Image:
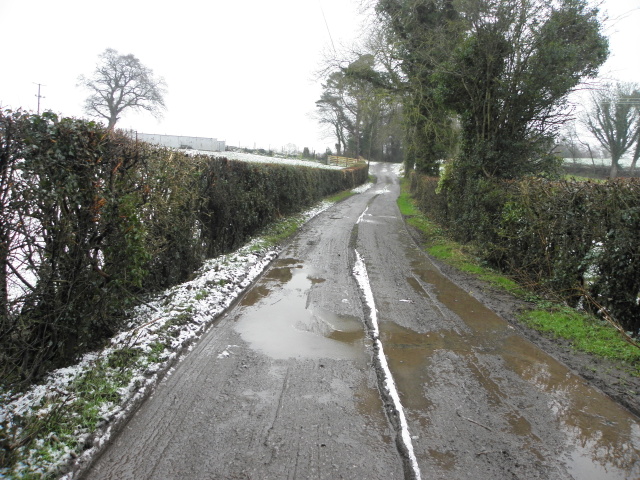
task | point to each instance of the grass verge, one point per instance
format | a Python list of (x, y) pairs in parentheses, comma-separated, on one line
[(584, 332), (60, 424), (279, 231), (439, 245)]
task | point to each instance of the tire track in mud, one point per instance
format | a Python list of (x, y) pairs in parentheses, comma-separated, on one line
[(386, 384)]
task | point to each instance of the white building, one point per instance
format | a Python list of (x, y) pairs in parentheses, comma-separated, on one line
[(174, 141)]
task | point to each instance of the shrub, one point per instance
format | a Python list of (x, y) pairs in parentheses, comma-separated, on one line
[(576, 239)]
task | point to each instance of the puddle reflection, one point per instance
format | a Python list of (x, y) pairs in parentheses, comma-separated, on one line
[(277, 320), (602, 438)]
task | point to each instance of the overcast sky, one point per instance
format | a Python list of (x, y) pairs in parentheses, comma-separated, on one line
[(240, 71)]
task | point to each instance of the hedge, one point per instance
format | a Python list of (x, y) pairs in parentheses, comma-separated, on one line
[(579, 239), (91, 220)]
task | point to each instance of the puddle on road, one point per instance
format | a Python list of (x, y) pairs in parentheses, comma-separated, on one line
[(277, 320), (602, 438), (606, 437)]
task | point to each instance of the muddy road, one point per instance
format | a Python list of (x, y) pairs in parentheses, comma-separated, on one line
[(354, 357)]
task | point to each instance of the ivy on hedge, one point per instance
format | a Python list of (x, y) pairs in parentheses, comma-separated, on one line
[(579, 239), (90, 220)]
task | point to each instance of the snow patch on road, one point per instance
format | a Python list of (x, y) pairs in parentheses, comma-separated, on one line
[(361, 217), (383, 190), (360, 273), (362, 188), (397, 169)]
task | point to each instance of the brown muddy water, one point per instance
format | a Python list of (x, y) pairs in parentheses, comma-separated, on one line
[(602, 438), (279, 321)]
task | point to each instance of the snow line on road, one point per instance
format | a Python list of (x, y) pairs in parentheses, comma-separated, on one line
[(362, 215), (362, 278)]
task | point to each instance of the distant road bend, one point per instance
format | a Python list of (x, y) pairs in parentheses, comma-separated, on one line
[(353, 357)]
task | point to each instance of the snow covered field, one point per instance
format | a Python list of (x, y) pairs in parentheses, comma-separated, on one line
[(598, 162), (249, 157), (159, 333)]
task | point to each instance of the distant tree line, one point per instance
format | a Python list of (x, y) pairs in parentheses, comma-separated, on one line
[(360, 111)]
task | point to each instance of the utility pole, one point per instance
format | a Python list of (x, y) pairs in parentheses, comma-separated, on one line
[(38, 95)]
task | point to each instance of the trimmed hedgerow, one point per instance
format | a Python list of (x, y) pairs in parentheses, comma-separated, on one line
[(578, 239), (91, 219)]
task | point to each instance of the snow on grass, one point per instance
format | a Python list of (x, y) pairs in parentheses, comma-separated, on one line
[(360, 273), (71, 415), (250, 157)]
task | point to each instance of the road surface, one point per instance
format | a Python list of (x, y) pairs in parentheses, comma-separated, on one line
[(354, 357)]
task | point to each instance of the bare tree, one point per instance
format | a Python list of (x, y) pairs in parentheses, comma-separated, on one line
[(614, 120), (120, 82)]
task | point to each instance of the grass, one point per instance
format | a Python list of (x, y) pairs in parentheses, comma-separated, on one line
[(63, 413), (284, 228), (338, 197), (53, 427), (584, 332), (278, 232), (406, 203), (578, 178), (201, 295)]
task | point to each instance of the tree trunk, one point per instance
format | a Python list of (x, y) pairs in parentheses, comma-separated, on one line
[(614, 168), (113, 117), (636, 155)]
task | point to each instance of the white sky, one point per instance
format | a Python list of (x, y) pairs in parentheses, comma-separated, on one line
[(240, 71), (623, 30)]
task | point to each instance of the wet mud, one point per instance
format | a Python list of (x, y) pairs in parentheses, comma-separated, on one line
[(601, 439), (299, 394), (480, 397)]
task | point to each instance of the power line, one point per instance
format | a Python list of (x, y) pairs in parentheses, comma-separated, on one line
[(327, 25)]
